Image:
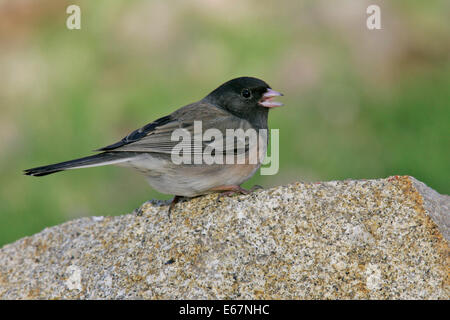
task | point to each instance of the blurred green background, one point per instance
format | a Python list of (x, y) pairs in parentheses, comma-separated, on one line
[(358, 103)]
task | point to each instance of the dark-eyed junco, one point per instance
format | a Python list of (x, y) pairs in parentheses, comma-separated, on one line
[(241, 103)]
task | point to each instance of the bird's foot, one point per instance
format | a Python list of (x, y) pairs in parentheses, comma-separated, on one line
[(255, 187), (226, 191)]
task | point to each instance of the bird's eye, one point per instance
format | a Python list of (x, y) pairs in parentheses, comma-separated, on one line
[(246, 93)]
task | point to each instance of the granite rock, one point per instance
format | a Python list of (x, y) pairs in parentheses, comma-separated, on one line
[(353, 239)]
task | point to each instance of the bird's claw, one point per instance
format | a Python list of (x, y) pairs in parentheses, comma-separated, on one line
[(255, 187), (231, 190)]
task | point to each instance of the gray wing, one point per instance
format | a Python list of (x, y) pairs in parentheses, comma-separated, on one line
[(157, 137)]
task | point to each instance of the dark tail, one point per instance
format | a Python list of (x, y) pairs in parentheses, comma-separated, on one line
[(101, 159)]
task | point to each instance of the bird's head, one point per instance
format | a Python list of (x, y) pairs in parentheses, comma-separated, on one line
[(244, 96)]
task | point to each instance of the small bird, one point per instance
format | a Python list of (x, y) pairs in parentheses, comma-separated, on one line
[(241, 103)]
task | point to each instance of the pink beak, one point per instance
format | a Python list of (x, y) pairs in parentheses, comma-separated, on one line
[(266, 100)]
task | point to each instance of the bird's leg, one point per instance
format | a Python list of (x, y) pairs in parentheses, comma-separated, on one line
[(233, 189), (175, 200)]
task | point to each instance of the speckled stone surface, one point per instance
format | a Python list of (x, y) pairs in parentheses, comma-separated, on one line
[(365, 239)]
